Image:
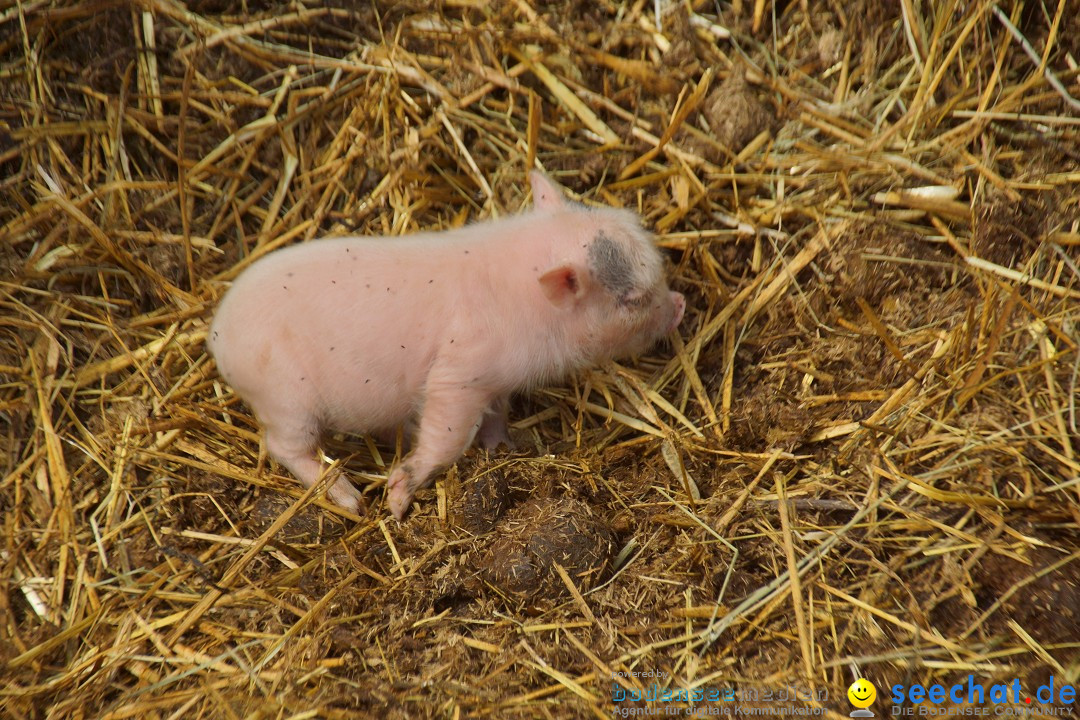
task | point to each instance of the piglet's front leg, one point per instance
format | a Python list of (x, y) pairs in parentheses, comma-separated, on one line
[(448, 423)]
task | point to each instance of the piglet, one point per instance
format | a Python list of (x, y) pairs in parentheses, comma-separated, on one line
[(435, 329)]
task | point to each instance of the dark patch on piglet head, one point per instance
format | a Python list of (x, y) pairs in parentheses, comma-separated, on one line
[(610, 265)]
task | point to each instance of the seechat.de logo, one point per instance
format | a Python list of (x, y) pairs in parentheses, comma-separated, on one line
[(971, 693)]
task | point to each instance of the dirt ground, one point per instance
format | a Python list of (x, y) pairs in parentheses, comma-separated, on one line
[(860, 456)]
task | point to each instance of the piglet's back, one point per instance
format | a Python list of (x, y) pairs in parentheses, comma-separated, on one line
[(323, 329)]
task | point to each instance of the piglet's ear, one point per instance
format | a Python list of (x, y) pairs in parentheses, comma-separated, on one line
[(546, 194), (563, 284)]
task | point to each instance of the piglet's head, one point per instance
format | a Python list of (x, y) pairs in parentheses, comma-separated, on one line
[(609, 281)]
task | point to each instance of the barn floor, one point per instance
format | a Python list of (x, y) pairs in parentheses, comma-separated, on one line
[(859, 457)]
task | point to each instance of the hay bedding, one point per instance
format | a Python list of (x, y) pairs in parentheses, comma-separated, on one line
[(860, 456)]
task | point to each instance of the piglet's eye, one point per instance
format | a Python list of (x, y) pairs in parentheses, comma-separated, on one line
[(635, 299)]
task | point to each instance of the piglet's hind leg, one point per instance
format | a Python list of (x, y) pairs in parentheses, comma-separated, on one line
[(294, 447), (448, 423), (494, 430)]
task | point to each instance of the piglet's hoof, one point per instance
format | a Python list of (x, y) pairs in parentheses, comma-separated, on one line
[(344, 494), (400, 493)]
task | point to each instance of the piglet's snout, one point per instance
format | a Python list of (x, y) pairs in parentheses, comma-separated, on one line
[(679, 302)]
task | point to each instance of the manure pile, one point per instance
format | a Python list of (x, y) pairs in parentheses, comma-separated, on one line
[(860, 455)]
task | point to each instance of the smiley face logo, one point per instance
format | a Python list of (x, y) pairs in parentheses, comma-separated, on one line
[(862, 693)]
